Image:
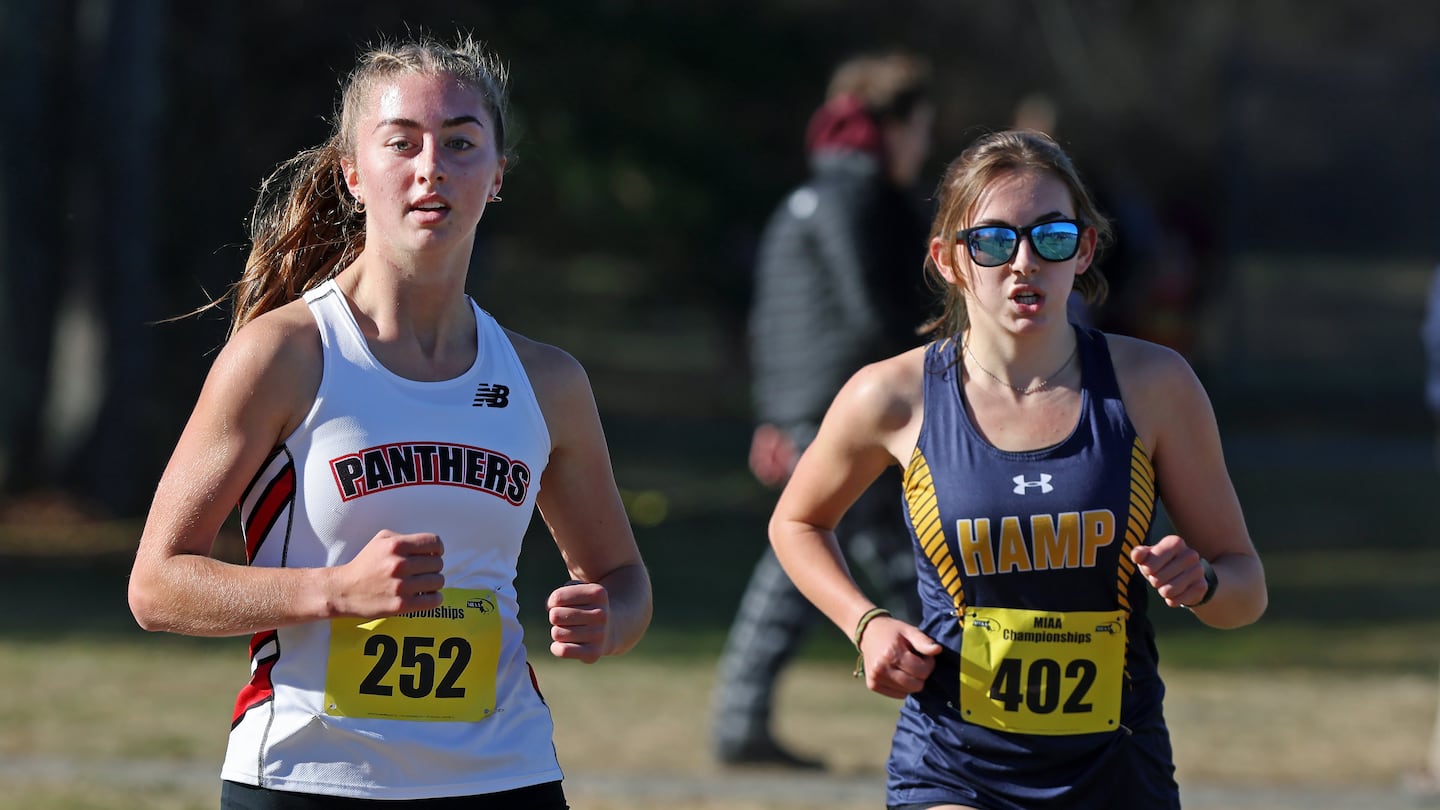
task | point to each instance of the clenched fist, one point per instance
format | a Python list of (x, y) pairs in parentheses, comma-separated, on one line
[(579, 614)]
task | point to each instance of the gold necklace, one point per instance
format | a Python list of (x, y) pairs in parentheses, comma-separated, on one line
[(1034, 388)]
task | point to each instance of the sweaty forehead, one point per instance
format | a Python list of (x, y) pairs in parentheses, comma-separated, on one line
[(1021, 197), (426, 99)]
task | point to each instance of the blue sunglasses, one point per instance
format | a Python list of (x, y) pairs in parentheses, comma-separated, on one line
[(993, 245)]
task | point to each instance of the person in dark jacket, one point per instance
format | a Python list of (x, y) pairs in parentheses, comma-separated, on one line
[(838, 284)]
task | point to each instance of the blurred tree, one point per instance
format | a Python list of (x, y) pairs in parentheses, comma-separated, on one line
[(36, 52), (651, 139), (79, 180)]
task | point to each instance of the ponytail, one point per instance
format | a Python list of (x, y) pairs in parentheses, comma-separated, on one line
[(303, 230)]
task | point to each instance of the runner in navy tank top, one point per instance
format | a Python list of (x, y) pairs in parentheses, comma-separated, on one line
[(1035, 454), (1034, 549)]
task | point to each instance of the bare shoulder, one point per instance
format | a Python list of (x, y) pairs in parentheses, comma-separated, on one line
[(1157, 384), (888, 386), (881, 404), (274, 364), (1143, 364), (552, 370), (285, 339), (562, 388)]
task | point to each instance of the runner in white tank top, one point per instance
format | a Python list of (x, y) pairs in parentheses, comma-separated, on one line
[(332, 707), (387, 444)]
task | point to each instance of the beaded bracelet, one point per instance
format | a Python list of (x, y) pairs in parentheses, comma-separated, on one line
[(869, 616)]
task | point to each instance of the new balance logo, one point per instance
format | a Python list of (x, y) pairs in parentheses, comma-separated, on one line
[(491, 396), (1022, 486)]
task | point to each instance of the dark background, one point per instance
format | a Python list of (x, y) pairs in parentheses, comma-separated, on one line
[(1271, 164)]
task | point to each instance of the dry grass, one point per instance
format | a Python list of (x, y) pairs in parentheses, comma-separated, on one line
[(1301, 728), (1286, 727), (142, 723)]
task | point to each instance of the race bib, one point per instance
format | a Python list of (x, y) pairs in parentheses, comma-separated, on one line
[(430, 665), (1042, 672)]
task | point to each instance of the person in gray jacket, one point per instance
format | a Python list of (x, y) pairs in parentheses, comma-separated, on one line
[(838, 284)]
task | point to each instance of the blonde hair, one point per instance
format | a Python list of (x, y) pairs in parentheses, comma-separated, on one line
[(890, 85), (304, 227), (966, 178)]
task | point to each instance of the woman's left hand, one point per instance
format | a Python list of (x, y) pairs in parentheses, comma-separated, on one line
[(1173, 569), (579, 614)]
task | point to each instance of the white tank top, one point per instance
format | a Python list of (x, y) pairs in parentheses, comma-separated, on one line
[(442, 704)]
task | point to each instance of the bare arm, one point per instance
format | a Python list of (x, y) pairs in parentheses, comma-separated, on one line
[(260, 387), (871, 425), (607, 606), (1169, 406)]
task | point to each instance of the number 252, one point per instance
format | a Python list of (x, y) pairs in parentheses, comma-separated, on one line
[(385, 649)]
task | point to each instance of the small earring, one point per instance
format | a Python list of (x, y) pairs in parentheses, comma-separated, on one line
[(494, 198), (359, 206)]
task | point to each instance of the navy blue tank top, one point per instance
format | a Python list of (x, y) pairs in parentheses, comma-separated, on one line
[(1018, 545)]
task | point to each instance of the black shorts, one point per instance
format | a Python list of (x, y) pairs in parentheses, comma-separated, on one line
[(235, 796)]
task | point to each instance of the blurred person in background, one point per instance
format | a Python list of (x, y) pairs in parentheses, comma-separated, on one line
[(1425, 782), (838, 284), (1039, 112), (386, 442), (1430, 343), (1163, 262), (1034, 452)]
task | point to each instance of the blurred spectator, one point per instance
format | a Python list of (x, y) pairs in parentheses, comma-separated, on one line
[(838, 284), (1154, 268), (1038, 111), (1430, 338), (1426, 782)]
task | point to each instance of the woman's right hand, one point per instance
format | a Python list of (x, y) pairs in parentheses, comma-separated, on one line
[(899, 657), (393, 574), (772, 455)]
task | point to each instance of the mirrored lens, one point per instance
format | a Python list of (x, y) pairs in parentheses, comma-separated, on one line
[(1055, 241), (992, 246)]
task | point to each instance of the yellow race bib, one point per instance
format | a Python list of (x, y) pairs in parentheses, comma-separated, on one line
[(432, 665), (1042, 672)]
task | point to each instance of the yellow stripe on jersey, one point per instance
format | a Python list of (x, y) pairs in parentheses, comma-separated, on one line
[(1142, 513), (925, 517)]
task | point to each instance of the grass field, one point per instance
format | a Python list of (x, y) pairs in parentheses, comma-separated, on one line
[(96, 714), (140, 722)]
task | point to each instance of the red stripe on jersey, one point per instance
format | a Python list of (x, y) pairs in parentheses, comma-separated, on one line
[(260, 689), (281, 493)]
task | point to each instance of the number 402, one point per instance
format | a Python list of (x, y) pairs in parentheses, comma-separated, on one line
[(1039, 687)]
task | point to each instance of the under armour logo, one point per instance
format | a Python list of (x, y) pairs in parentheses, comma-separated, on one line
[(491, 396), (1021, 485)]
